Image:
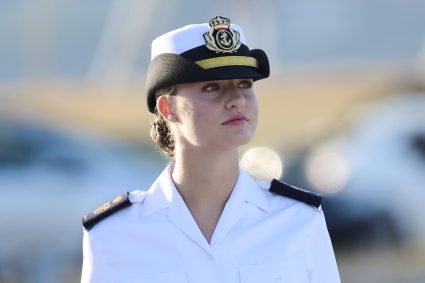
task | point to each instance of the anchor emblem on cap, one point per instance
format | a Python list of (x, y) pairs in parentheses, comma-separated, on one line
[(221, 38)]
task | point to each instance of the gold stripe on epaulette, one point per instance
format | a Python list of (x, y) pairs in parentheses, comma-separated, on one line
[(228, 61)]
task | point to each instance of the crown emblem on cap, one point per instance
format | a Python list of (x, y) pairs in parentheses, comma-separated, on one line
[(221, 38)]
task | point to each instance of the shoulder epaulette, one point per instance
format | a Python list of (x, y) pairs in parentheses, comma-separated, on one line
[(289, 191), (100, 213)]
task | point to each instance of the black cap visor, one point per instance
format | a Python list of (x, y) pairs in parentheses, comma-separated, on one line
[(171, 69)]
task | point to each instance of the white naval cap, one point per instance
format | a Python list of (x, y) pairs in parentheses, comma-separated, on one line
[(185, 38), (202, 52)]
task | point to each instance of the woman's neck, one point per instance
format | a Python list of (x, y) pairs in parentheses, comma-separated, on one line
[(201, 176), (205, 182)]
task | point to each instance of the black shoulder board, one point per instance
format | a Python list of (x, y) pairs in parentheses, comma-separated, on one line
[(100, 213), (289, 191)]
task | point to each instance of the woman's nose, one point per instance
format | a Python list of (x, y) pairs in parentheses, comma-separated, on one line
[(236, 99)]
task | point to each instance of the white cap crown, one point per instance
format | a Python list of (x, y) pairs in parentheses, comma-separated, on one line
[(183, 39)]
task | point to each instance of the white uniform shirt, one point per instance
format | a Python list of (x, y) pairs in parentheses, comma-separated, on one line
[(261, 237)]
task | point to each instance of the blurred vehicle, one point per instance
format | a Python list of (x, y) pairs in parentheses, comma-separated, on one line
[(381, 200), (49, 178), (354, 223)]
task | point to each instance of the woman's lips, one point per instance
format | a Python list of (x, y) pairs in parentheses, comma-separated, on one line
[(236, 120)]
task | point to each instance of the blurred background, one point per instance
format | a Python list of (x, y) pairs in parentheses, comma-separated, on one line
[(343, 114)]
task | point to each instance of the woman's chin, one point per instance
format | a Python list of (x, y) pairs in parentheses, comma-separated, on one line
[(240, 140)]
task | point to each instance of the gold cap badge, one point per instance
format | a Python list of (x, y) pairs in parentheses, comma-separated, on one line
[(222, 38)]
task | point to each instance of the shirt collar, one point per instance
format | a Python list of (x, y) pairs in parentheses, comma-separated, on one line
[(248, 190), (163, 193)]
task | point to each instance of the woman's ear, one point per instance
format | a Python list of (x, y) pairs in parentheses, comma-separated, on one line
[(165, 108)]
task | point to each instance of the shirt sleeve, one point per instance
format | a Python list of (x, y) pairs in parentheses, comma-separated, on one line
[(92, 271), (323, 266)]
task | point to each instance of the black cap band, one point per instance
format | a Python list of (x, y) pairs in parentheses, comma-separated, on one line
[(201, 64)]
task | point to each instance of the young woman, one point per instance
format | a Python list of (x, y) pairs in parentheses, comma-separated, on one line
[(204, 219)]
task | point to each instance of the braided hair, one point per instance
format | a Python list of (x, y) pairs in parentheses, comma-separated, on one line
[(160, 132)]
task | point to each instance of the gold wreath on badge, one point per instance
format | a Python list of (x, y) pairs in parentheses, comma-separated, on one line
[(221, 38)]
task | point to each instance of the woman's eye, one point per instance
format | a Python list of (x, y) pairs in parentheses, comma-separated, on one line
[(245, 84), (211, 87)]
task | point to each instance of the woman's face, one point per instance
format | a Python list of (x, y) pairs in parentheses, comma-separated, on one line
[(215, 114)]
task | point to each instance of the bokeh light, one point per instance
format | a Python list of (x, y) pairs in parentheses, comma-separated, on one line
[(262, 163), (327, 171)]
